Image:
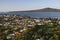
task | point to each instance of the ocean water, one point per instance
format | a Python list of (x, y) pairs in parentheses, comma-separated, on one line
[(39, 14), (42, 14)]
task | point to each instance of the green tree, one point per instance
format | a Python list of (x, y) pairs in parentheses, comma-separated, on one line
[(54, 37)]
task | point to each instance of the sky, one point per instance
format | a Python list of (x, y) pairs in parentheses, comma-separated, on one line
[(20, 5)]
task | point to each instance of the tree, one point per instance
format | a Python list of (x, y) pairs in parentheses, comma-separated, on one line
[(54, 37)]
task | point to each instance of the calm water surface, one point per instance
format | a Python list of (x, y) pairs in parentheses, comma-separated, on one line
[(39, 14)]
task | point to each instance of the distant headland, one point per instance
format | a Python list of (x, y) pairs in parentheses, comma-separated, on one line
[(44, 10), (38, 10)]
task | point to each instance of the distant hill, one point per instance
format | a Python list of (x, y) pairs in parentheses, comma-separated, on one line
[(44, 10), (37, 10)]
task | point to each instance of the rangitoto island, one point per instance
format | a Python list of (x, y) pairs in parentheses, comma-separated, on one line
[(44, 10), (38, 10)]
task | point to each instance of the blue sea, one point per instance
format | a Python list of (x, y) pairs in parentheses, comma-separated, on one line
[(42, 14), (39, 14)]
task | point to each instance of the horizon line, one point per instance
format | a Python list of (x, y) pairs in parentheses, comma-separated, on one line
[(29, 9)]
